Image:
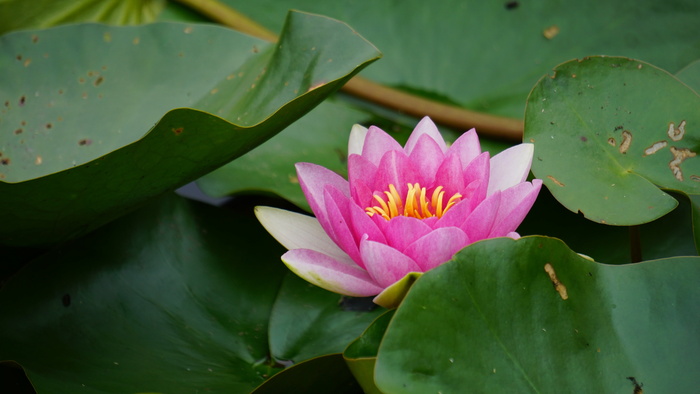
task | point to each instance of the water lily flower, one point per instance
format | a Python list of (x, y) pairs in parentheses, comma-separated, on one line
[(402, 209)]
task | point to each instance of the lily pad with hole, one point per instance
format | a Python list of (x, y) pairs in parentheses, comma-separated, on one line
[(610, 133), (95, 120)]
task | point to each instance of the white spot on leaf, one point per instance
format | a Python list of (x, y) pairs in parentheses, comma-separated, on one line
[(676, 134), (626, 141), (679, 155), (655, 147), (558, 286)]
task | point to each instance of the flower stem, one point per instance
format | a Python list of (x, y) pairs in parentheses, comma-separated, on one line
[(447, 115)]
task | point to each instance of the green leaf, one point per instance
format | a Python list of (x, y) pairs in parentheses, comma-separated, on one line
[(361, 354), (20, 14), (533, 316), (608, 132), (78, 102), (327, 374), (690, 75), (321, 137), (308, 321), (163, 300), (174, 298)]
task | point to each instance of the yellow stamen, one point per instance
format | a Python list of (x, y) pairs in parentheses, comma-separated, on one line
[(417, 204), (425, 210), (436, 193), (438, 206), (410, 200), (395, 202)]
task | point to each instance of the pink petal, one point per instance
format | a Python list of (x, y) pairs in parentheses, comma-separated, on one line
[(467, 146), (510, 167), (480, 222), (331, 274), (431, 221), (455, 216), (313, 180), (356, 140), (515, 204), (377, 144), (338, 220), (437, 247), (362, 194), (403, 230), (425, 127), (426, 157), (350, 224), (363, 226), (394, 169), (360, 171), (476, 178), (450, 176), (385, 264)]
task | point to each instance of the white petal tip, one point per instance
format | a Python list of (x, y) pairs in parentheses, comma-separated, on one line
[(357, 139)]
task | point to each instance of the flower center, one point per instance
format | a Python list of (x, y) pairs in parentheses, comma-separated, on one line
[(417, 204)]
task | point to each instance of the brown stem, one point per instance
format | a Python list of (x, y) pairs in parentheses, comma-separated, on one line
[(227, 16), (448, 115)]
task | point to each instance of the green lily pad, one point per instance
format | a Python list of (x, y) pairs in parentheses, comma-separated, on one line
[(609, 132), (533, 316), (163, 300), (327, 374), (307, 321), (20, 14), (321, 137), (77, 103), (690, 75), (174, 298), (361, 354)]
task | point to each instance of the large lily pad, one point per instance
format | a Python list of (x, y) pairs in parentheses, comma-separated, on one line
[(174, 298), (532, 316), (609, 132), (78, 103)]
